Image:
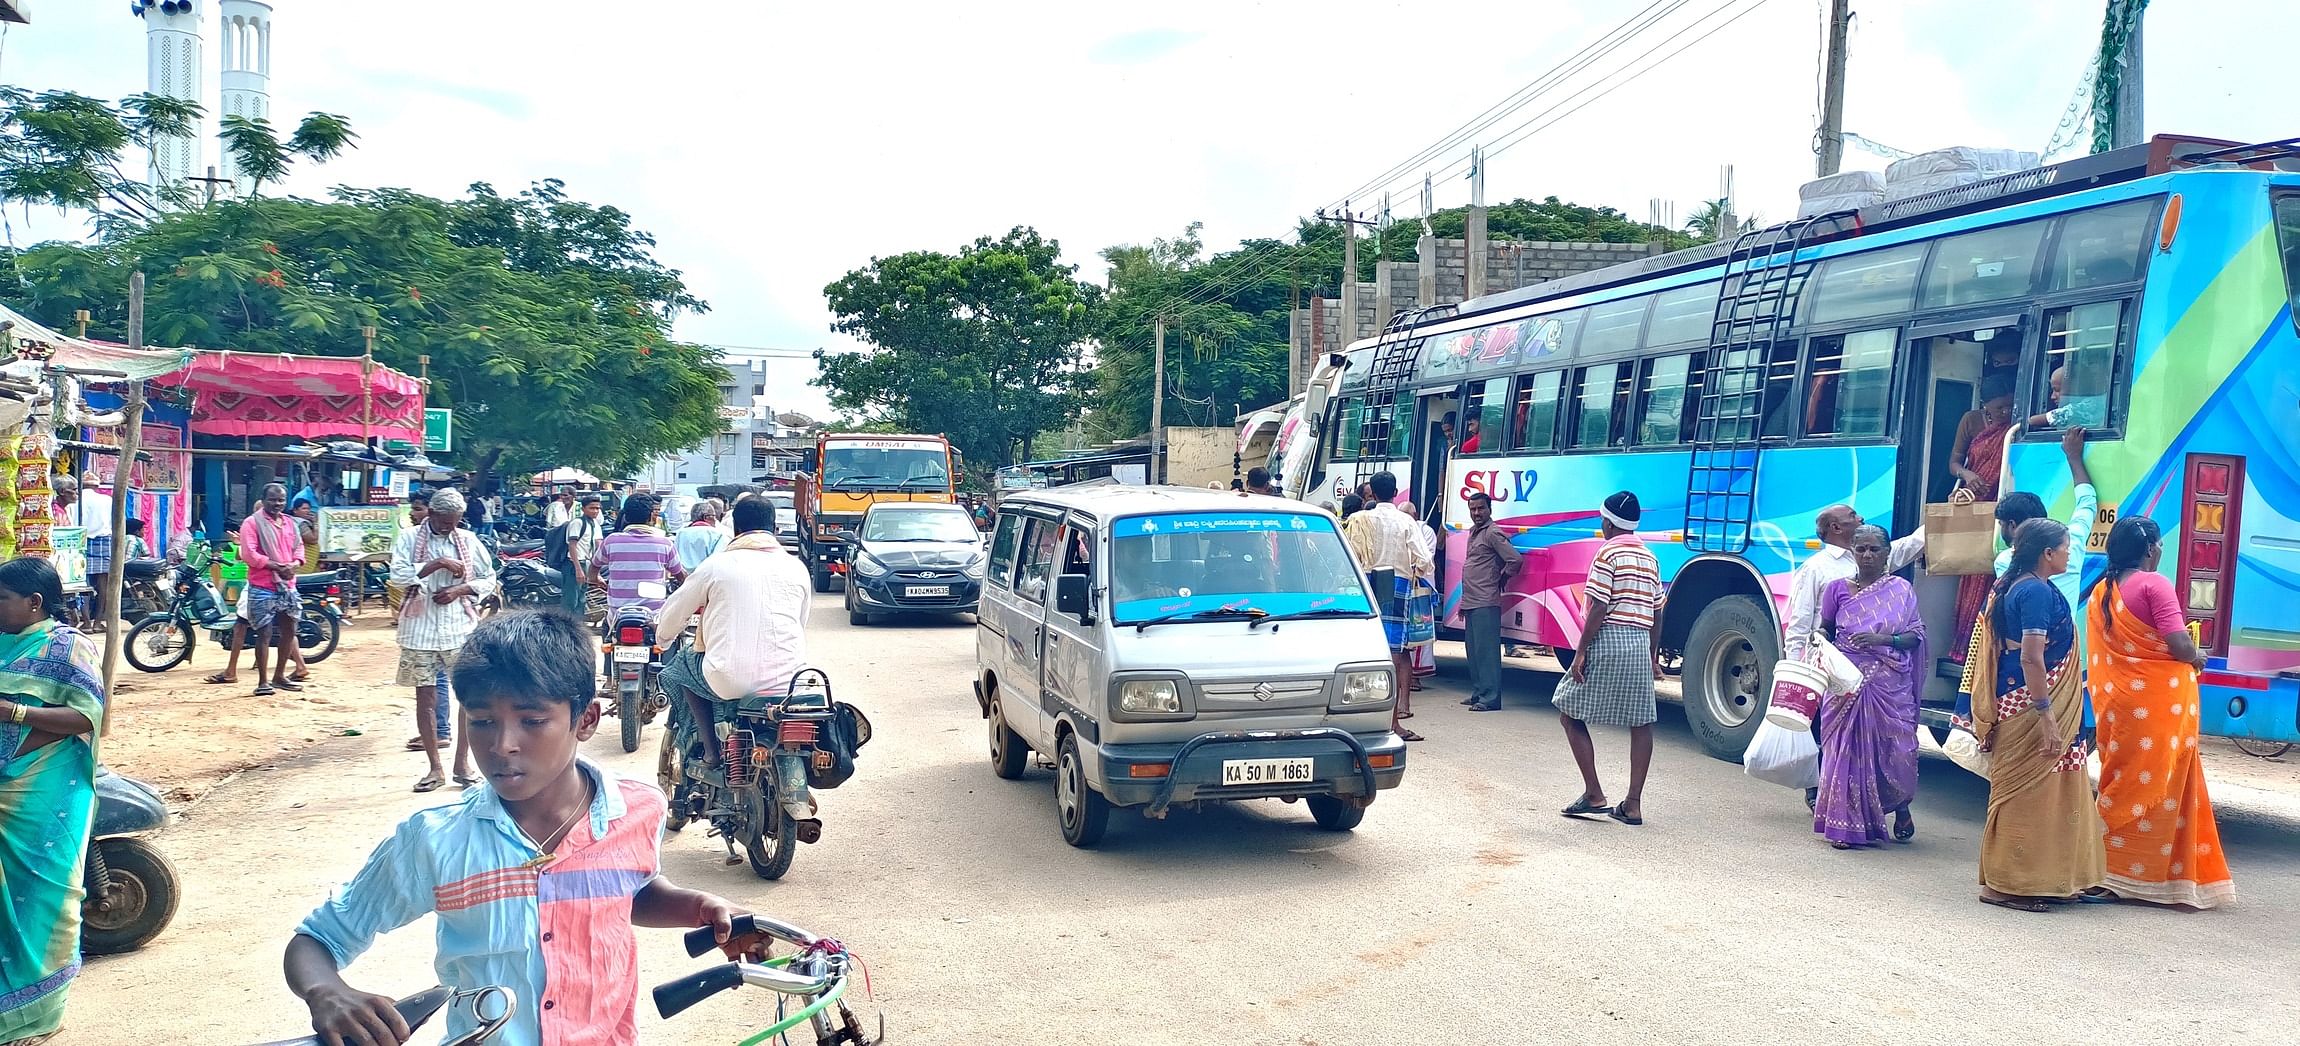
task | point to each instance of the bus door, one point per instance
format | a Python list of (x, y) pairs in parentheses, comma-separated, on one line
[(1436, 423), (1948, 366)]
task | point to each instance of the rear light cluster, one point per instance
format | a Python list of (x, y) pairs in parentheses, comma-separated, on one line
[(2210, 521), (631, 635), (797, 732)]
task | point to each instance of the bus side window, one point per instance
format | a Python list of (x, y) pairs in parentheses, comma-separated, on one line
[(1667, 385), (1601, 414), (1535, 426), (2084, 366), (1352, 414), (1849, 379)]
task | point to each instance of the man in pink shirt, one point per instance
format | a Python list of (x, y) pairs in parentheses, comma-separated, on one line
[(271, 544)]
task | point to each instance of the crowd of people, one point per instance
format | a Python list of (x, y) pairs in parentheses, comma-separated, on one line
[(2042, 691)]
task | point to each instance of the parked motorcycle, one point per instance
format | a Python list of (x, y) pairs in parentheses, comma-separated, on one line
[(165, 639), (140, 591), (635, 663), (132, 889), (775, 748)]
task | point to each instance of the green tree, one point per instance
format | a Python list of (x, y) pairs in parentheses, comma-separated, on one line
[(1225, 337), (63, 149), (543, 363), (983, 345), (264, 158)]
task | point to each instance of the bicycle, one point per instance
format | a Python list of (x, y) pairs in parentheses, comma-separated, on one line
[(491, 1008), (818, 972)]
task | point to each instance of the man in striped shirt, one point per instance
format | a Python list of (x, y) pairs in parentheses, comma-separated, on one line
[(446, 572), (638, 554), (537, 877), (1617, 661)]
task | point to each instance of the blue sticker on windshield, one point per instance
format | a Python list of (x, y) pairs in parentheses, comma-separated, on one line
[(1220, 523)]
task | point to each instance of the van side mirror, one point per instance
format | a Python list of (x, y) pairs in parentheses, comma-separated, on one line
[(1070, 597)]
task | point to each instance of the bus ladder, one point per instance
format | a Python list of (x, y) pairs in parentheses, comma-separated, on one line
[(1396, 357), (1756, 303)]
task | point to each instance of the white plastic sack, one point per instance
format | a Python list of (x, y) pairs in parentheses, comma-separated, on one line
[(1853, 201), (1789, 758), (1842, 184), (1960, 159)]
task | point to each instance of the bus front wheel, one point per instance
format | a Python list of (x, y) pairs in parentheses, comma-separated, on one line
[(1728, 674)]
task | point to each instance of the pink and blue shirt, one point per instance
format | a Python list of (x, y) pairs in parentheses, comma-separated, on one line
[(559, 936)]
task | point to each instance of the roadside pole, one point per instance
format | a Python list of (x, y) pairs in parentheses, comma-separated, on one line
[(131, 439), (1158, 404), (1833, 90)]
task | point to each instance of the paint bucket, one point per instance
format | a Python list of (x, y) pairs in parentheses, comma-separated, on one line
[(1797, 690)]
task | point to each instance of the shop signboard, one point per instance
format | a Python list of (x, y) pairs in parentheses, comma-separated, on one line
[(164, 444), (358, 530), (438, 433)]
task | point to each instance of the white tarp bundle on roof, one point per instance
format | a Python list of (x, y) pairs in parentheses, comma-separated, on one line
[(1952, 168), (1848, 191)]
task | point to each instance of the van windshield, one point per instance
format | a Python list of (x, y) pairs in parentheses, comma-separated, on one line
[(1186, 562)]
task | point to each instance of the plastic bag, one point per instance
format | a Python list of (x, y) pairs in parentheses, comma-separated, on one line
[(1789, 758), (1844, 678)]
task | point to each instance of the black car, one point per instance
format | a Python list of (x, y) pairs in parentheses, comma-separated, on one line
[(915, 557)]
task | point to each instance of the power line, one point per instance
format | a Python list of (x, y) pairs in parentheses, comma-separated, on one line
[(1510, 103)]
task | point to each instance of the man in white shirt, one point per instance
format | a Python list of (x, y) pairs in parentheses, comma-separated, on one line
[(1383, 538), (754, 598), (1834, 526), (561, 509), (446, 572)]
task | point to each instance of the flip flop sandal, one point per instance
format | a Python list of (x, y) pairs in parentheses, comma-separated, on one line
[(301, 677), (1617, 815), (1903, 831), (464, 780), (288, 685), (2096, 895), (430, 783), (265, 690), (1582, 807), (2017, 904), (415, 744), (1405, 715), (219, 677), (1409, 735)]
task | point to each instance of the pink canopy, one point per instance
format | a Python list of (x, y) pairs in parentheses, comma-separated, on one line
[(307, 397)]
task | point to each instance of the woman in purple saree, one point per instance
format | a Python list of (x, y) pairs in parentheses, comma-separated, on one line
[(1869, 737)]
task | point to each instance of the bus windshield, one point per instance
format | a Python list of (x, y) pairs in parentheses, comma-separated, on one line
[(888, 466), (1186, 563)]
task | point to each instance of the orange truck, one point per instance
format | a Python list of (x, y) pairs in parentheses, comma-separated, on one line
[(853, 471)]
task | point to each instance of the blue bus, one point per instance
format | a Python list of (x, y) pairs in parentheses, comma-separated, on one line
[(1741, 387)]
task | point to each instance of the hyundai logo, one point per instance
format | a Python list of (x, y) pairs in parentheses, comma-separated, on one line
[(928, 573)]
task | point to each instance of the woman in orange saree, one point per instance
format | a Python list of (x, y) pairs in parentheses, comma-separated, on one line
[(2163, 846)]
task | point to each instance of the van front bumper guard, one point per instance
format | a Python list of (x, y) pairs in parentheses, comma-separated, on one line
[(1163, 797)]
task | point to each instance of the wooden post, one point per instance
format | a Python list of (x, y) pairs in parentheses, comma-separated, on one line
[(367, 389), (131, 438)]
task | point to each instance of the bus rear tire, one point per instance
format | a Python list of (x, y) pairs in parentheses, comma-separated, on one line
[(1728, 674)]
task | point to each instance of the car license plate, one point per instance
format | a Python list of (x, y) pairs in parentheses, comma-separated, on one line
[(631, 655), (1267, 771), (915, 591)]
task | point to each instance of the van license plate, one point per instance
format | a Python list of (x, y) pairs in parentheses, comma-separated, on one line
[(631, 655), (1267, 771), (916, 591)]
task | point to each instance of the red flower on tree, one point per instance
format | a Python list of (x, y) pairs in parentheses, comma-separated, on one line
[(415, 294), (271, 248)]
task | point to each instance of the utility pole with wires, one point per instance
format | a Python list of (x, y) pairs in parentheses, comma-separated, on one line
[(1158, 402), (2125, 127), (1349, 222), (1832, 136)]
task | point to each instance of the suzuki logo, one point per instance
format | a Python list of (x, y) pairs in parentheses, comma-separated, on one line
[(1262, 692)]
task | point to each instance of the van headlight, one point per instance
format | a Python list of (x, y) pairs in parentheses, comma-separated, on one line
[(1362, 687), (978, 568), (868, 567), (1150, 696)]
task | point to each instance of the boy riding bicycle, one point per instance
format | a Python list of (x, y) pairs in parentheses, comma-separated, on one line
[(537, 876)]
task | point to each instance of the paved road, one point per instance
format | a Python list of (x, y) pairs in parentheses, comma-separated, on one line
[(1464, 910)]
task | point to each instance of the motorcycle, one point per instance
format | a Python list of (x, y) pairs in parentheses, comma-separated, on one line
[(636, 664), (140, 593), (132, 889), (166, 638), (775, 747)]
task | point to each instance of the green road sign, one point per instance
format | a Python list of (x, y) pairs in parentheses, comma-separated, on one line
[(438, 433)]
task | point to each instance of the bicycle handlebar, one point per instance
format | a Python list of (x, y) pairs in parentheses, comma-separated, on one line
[(672, 997), (701, 940)]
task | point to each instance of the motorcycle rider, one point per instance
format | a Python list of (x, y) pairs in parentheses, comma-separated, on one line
[(754, 597), (637, 554)]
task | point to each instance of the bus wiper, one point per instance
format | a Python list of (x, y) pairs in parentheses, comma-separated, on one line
[(844, 480), (939, 481), (1202, 615), (1298, 615)]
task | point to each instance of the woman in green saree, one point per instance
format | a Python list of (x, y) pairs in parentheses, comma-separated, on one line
[(51, 711)]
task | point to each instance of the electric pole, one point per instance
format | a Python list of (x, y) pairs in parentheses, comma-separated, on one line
[(1833, 90), (1158, 404), (2127, 130), (1349, 222)]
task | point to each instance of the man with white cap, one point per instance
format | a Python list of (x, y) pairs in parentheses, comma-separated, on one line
[(1616, 663), (446, 572)]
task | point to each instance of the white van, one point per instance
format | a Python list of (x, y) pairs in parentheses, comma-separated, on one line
[(1176, 645)]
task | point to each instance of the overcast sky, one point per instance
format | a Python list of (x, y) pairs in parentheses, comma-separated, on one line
[(774, 150)]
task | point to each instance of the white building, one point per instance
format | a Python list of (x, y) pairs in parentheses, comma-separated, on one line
[(172, 50), (246, 28), (743, 451)]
